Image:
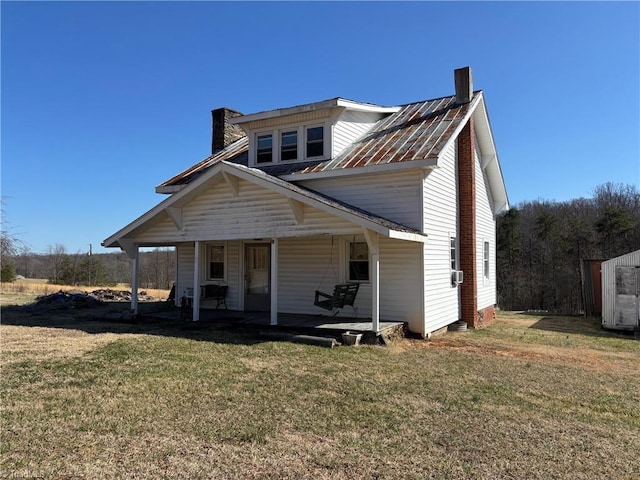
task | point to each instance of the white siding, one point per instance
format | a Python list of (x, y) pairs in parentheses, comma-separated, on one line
[(349, 127), (318, 263), (256, 212), (395, 195), (310, 264), (609, 285), (401, 275), (185, 253), (485, 231), (442, 304), (302, 265)]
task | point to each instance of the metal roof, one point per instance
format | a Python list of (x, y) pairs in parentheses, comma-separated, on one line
[(418, 131), (237, 152)]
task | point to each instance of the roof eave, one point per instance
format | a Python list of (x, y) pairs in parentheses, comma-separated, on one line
[(380, 167), (310, 107)]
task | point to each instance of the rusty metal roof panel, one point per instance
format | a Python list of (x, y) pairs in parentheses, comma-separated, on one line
[(237, 152), (417, 131)]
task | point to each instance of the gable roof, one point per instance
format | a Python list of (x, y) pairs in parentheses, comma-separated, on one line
[(414, 135), (416, 131), (303, 195)]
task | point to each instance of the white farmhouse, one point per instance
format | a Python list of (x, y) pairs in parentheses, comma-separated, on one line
[(400, 200)]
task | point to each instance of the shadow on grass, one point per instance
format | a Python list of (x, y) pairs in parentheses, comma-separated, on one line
[(156, 318), (590, 326)]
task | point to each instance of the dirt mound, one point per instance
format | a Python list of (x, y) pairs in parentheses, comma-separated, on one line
[(64, 299)]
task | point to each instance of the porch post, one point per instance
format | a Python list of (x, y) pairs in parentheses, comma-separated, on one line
[(374, 248), (375, 290), (135, 275), (196, 282), (274, 281)]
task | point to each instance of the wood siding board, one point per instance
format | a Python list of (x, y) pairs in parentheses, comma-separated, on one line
[(217, 214)]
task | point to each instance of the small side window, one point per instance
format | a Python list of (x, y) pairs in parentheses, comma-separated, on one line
[(452, 253), (485, 259)]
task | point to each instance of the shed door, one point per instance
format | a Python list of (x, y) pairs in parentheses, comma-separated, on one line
[(257, 277), (626, 311)]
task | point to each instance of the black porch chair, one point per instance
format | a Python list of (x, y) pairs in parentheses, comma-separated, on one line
[(217, 293)]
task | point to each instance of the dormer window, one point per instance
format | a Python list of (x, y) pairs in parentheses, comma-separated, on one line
[(289, 145), (315, 141), (264, 149)]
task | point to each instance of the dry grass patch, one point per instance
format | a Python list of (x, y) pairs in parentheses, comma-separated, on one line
[(176, 403)]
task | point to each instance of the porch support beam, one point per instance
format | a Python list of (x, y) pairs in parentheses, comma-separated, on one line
[(372, 239), (298, 210), (274, 281), (128, 247), (135, 275), (232, 183), (175, 213), (196, 281)]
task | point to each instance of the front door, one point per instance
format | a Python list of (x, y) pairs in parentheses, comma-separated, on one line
[(257, 275)]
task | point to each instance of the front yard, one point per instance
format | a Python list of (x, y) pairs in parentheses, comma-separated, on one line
[(529, 397)]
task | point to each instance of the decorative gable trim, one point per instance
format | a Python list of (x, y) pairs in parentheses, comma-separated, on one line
[(298, 197)]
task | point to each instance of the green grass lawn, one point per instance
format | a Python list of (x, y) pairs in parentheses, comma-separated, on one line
[(528, 397)]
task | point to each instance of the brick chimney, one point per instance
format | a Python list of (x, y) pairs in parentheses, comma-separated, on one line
[(464, 85), (467, 224), (223, 133)]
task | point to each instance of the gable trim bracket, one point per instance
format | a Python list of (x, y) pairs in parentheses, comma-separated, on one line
[(175, 213), (297, 208)]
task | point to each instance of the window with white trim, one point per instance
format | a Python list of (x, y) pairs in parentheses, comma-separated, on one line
[(289, 145), (264, 148), (315, 142), (216, 260), (358, 262), (485, 259)]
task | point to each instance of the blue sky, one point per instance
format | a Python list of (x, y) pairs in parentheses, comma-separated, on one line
[(101, 101)]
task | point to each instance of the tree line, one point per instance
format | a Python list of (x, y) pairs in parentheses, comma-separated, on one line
[(157, 267), (540, 245)]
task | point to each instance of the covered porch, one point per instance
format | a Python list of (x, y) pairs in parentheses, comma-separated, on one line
[(272, 244)]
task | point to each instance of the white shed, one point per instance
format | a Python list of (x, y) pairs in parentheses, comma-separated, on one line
[(621, 292)]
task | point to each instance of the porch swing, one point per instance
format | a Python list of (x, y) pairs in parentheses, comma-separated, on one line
[(344, 294)]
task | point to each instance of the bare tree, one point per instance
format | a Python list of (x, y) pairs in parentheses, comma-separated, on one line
[(58, 260)]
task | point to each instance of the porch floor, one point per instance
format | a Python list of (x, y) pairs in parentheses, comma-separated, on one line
[(286, 321)]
